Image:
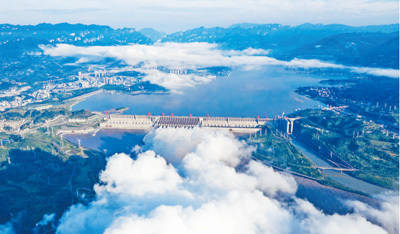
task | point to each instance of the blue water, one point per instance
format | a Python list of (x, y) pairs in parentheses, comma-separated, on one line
[(341, 178), (109, 141), (265, 92)]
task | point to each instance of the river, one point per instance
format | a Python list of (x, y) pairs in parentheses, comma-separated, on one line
[(267, 91), (342, 178)]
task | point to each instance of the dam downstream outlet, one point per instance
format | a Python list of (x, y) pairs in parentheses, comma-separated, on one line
[(148, 122)]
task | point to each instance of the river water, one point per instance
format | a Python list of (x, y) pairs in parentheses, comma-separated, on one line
[(339, 177), (266, 92)]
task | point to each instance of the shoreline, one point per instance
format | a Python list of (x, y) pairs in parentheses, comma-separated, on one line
[(319, 161), (333, 196), (80, 98), (76, 100), (316, 181)]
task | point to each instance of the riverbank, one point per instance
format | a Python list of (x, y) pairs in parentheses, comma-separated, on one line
[(265, 92), (340, 177), (349, 141), (328, 198), (75, 100)]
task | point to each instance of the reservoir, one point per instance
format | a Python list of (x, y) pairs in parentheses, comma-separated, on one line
[(267, 91)]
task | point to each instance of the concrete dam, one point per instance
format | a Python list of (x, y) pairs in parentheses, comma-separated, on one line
[(147, 122)]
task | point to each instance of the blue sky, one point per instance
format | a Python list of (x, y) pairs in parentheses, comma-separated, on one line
[(177, 15)]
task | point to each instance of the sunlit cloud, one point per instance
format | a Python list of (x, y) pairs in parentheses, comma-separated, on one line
[(188, 181), (387, 214), (193, 56)]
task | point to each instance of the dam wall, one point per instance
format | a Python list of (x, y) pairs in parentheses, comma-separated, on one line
[(147, 122)]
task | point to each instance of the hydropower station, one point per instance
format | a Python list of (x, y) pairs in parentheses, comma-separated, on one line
[(147, 122)]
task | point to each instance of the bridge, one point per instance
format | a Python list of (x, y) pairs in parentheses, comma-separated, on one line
[(341, 169), (147, 122)]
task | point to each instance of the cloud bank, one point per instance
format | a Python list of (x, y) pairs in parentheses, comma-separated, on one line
[(184, 56), (386, 215), (200, 181)]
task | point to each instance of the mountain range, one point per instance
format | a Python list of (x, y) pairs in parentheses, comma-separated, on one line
[(371, 46), (374, 46)]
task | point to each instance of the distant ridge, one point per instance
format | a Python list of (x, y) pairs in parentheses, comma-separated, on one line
[(77, 34), (374, 45), (152, 33)]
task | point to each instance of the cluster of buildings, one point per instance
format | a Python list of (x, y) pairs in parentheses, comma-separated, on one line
[(98, 79), (13, 91), (11, 125), (321, 91), (177, 70), (22, 95), (18, 96), (15, 101)]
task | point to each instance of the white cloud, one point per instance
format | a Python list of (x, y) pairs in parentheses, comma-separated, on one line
[(47, 218), (181, 55), (311, 63), (269, 181), (317, 223), (184, 55), (387, 214), (376, 71), (175, 82), (192, 56), (202, 191), (152, 176), (255, 214), (175, 145)]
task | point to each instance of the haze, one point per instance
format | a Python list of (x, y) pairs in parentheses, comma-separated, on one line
[(182, 14)]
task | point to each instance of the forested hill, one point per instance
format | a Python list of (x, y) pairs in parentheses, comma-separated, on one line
[(17, 39), (373, 46)]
